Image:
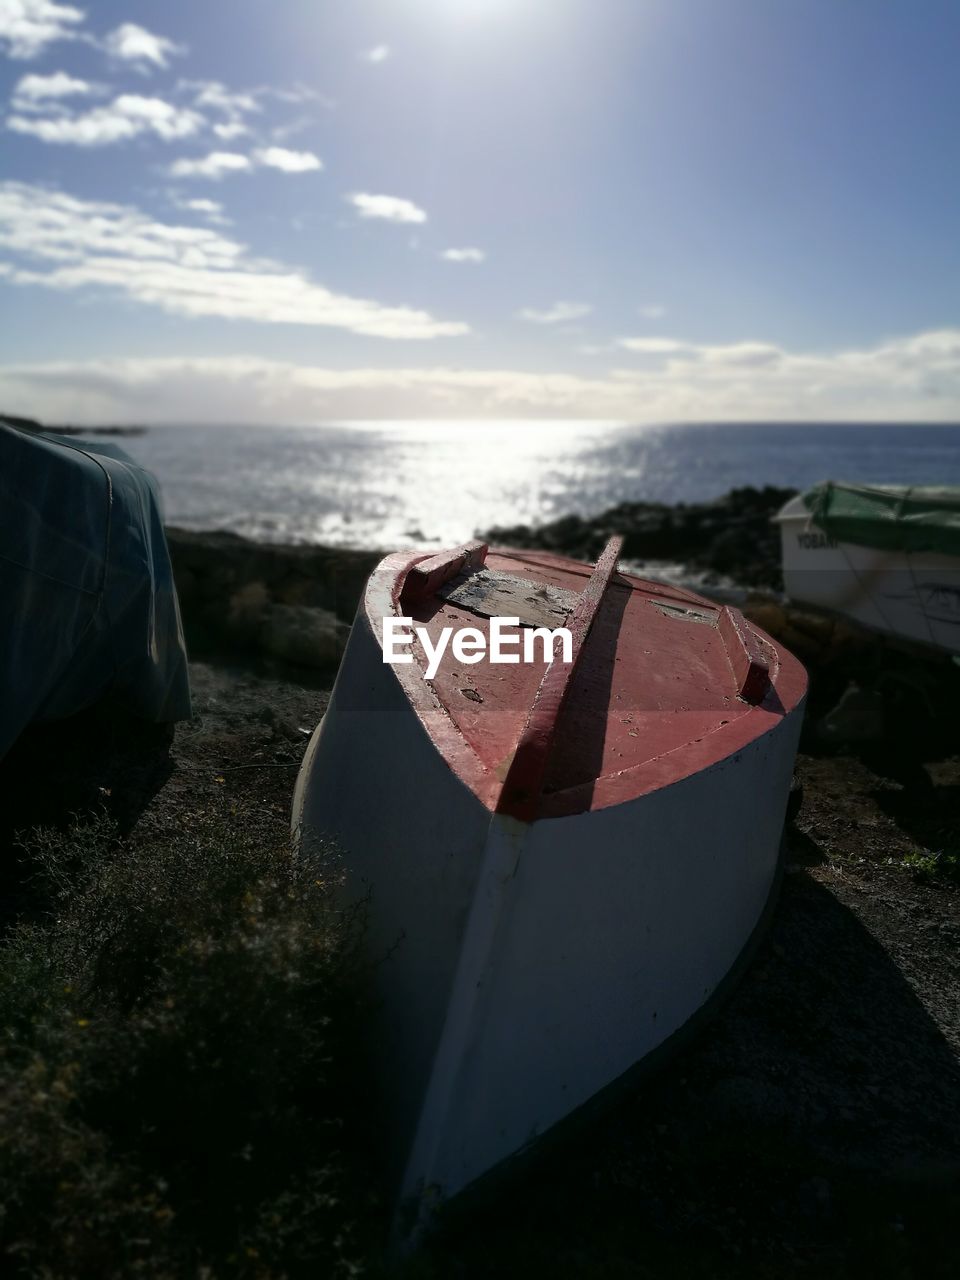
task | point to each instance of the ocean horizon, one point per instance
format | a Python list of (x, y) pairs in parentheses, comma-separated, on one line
[(429, 483)]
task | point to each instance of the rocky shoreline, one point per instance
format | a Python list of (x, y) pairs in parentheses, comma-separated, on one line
[(293, 605), (732, 536), (294, 602)]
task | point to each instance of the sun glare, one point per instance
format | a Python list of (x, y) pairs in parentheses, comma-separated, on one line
[(477, 9)]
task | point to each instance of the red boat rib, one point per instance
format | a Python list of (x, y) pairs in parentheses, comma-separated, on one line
[(520, 794), (750, 667), (427, 576)]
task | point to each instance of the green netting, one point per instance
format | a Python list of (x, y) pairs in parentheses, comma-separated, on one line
[(891, 517)]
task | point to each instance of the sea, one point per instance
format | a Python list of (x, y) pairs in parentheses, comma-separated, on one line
[(427, 484)]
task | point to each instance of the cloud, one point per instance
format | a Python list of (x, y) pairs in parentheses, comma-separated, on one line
[(389, 208), (136, 45), (27, 27), (281, 132), (33, 92), (737, 354), (909, 379), (230, 129), (128, 116), (213, 95), (212, 210), (59, 242), (204, 206), (905, 379), (655, 346), (236, 106), (213, 166), (652, 311), (559, 313), (255, 389), (219, 163), (49, 226), (746, 355), (379, 53), (288, 161), (463, 255), (296, 93), (233, 105)]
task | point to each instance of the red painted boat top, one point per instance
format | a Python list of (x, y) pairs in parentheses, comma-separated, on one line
[(664, 683), (525, 780)]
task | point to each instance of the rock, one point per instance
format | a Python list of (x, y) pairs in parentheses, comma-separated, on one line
[(730, 550), (247, 604), (732, 535), (299, 634), (228, 585), (295, 590)]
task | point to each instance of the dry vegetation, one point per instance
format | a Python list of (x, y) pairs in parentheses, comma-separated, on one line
[(175, 1074), (179, 1072)]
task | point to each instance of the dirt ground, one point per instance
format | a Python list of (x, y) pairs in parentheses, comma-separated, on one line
[(813, 1128)]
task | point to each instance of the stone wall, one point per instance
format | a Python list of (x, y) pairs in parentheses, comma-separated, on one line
[(288, 602)]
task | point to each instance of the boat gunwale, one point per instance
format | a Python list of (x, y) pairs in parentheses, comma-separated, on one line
[(788, 686)]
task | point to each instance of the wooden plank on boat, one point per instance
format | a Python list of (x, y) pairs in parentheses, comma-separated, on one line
[(492, 594), (750, 667), (427, 576), (524, 780)]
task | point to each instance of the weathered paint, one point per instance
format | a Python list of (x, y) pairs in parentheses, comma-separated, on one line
[(750, 666), (426, 576), (489, 594), (655, 696)]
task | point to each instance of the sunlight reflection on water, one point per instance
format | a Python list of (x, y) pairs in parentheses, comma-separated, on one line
[(435, 483)]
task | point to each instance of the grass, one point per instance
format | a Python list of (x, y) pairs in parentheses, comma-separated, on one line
[(927, 867), (177, 1017)]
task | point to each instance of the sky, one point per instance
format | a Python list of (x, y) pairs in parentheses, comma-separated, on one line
[(640, 210)]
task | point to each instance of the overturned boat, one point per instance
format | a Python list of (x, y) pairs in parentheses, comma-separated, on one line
[(563, 862), (90, 613), (886, 557)]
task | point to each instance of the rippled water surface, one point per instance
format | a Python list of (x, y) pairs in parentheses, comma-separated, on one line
[(406, 483)]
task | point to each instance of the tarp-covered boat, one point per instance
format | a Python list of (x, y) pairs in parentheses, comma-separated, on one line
[(563, 864), (888, 557), (89, 606)]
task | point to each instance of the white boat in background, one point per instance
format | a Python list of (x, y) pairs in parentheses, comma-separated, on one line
[(562, 865), (887, 558)]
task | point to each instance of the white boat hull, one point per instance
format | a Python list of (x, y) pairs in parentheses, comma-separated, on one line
[(520, 968), (914, 596)]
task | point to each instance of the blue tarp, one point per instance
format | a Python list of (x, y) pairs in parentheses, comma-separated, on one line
[(88, 607)]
